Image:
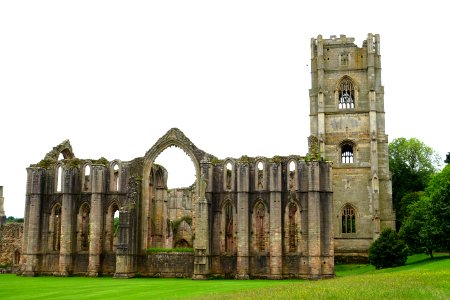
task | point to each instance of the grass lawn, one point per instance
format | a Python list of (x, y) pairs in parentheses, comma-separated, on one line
[(421, 278)]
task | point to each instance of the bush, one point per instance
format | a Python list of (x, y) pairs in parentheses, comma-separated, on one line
[(388, 250)]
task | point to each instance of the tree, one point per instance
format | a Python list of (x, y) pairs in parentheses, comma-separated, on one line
[(447, 159), (439, 192), (418, 228), (388, 250), (411, 163)]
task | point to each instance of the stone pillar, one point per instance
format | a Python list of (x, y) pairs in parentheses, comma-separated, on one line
[(327, 235), (98, 175), (202, 247), (216, 227), (126, 255), (242, 264), (34, 198), (275, 239), (67, 223), (314, 267), (2, 209)]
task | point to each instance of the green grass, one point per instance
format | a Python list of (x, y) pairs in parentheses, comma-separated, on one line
[(421, 278)]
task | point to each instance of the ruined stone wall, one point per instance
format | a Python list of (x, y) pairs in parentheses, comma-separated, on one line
[(10, 245)]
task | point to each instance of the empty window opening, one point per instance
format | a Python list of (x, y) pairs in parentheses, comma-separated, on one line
[(87, 177), (291, 176), (60, 156), (260, 167), (229, 168), (346, 94), (112, 228), (116, 177), (59, 178), (347, 154), (179, 166), (348, 220)]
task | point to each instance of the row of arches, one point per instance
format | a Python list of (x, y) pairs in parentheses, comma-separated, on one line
[(83, 228), (260, 228), (86, 182), (260, 174)]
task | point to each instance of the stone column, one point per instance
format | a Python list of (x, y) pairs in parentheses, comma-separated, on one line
[(202, 251), (326, 203), (242, 265), (2, 210), (126, 254), (275, 239), (314, 267), (35, 184), (67, 223), (96, 219)]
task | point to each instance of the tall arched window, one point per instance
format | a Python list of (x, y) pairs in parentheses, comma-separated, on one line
[(87, 178), (348, 219), (83, 227), (115, 177), (228, 175), (346, 94), (59, 179), (292, 227), (55, 226), (111, 227), (260, 175), (347, 153), (229, 228), (260, 220), (291, 175)]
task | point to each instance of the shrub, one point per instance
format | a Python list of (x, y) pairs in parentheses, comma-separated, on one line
[(388, 250)]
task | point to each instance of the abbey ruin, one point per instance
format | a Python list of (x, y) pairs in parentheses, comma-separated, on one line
[(247, 217)]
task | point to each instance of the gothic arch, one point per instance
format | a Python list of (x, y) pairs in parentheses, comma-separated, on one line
[(228, 227), (348, 219), (109, 226), (174, 137), (83, 227), (229, 174), (260, 227), (260, 173), (346, 93), (292, 227), (347, 152), (64, 148)]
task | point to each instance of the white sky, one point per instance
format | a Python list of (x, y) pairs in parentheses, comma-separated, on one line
[(114, 76)]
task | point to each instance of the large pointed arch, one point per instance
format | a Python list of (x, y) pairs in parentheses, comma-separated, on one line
[(174, 137), (64, 148)]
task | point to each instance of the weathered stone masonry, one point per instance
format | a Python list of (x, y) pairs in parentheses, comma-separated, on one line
[(247, 217), (251, 217)]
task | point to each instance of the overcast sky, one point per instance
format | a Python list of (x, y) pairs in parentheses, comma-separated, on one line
[(114, 76)]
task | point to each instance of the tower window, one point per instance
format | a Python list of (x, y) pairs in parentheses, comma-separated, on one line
[(346, 94), (348, 219), (347, 154)]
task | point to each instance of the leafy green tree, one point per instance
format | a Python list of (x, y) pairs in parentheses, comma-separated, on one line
[(412, 163), (439, 192), (389, 250), (418, 229)]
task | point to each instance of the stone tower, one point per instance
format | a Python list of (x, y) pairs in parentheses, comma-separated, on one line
[(347, 116)]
